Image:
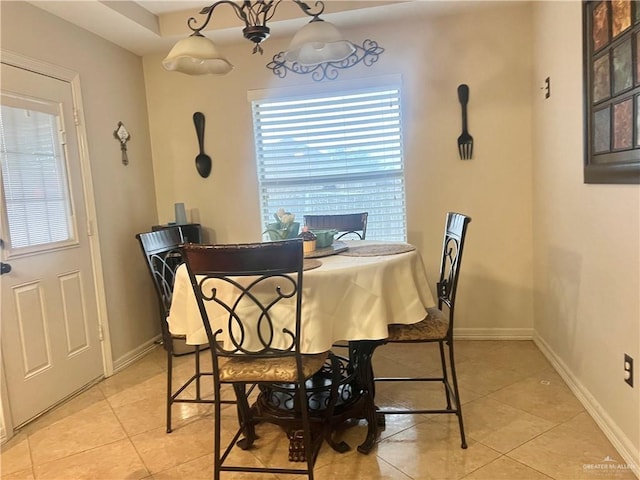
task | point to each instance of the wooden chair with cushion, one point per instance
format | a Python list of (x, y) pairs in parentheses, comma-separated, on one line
[(349, 224), (437, 326), (250, 300), (163, 255)]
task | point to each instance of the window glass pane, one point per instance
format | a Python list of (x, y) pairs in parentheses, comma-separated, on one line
[(33, 177), (621, 12), (601, 80), (602, 131), (622, 67), (600, 26), (333, 153), (623, 124)]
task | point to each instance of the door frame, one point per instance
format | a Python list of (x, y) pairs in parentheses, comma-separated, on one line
[(73, 78)]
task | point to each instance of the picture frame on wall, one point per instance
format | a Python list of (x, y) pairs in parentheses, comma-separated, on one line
[(611, 43)]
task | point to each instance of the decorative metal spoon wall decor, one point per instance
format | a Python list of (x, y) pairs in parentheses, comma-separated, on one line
[(203, 161), (465, 141)]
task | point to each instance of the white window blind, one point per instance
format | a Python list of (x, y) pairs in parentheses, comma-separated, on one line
[(34, 176), (333, 153)]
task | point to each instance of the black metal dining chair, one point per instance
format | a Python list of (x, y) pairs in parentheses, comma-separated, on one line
[(250, 299), (162, 250), (353, 224), (437, 326)]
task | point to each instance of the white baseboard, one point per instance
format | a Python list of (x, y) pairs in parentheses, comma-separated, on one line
[(493, 333), (130, 357), (616, 436)]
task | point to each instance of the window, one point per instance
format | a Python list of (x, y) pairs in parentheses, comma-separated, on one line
[(34, 175), (331, 153)]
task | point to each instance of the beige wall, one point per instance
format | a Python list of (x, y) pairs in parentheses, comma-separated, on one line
[(586, 240), (489, 50), (113, 90)]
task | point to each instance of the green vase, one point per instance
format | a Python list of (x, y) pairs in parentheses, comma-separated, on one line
[(275, 233)]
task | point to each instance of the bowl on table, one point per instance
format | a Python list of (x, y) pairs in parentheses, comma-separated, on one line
[(309, 241), (324, 238)]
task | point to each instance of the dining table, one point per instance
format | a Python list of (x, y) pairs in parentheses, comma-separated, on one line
[(351, 291)]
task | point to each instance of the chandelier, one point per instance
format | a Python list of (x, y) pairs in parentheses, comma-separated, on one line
[(317, 49)]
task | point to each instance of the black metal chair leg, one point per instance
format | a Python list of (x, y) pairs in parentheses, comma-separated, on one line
[(444, 374), (310, 452), (169, 386), (197, 368), (245, 418), (454, 379), (217, 460)]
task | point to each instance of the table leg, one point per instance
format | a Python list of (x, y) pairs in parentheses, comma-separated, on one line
[(356, 400), (360, 355)]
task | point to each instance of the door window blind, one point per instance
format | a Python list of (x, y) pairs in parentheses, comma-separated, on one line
[(331, 154), (34, 176)]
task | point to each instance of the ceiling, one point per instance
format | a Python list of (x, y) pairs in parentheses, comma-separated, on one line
[(159, 7), (153, 26)]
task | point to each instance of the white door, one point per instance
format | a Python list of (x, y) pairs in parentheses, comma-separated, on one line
[(50, 333)]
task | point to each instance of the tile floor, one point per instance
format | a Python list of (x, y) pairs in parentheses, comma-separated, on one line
[(522, 422)]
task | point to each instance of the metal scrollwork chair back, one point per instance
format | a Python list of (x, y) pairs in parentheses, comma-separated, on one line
[(348, 225), (447, 285), (437, 326)]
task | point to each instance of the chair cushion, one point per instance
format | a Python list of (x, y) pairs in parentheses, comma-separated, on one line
[(276, 370), (433, 327)]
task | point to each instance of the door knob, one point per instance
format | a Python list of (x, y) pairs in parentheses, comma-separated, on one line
[(4, 268)]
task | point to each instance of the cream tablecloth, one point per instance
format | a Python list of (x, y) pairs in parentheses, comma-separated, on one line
[(347, 298)]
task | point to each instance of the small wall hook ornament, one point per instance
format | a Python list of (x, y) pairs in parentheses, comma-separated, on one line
[(546, 87), (122, 135)]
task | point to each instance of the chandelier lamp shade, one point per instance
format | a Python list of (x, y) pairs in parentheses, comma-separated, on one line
[(196, 55), (318, 48), (318, 42)]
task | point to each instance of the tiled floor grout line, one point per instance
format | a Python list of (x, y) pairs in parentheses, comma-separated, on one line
[(33, 465)]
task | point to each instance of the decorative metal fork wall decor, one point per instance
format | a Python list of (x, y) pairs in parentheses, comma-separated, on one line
[(465, 141)]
